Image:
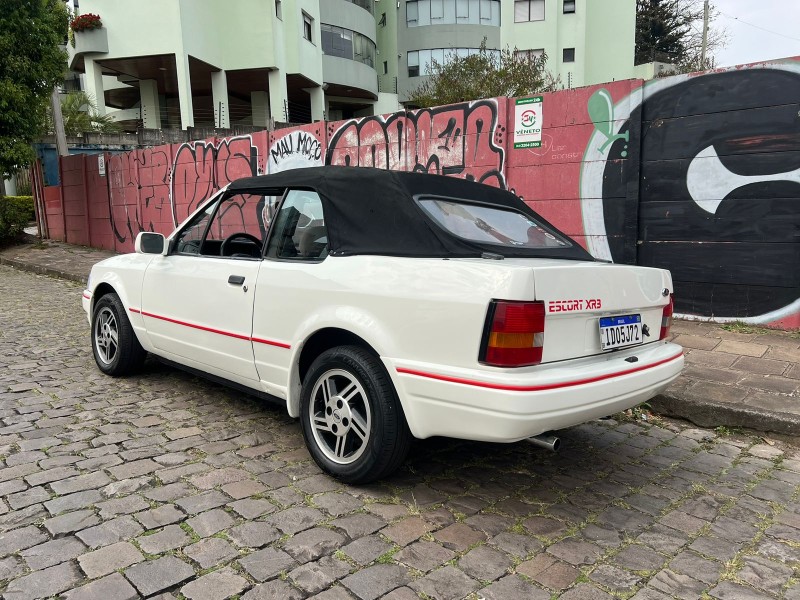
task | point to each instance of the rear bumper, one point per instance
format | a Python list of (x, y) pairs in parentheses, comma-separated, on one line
[(506, 406)]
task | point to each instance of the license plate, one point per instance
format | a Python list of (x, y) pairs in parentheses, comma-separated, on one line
[(620, 331)]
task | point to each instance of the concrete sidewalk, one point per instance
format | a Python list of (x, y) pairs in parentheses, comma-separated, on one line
[(735, 376)]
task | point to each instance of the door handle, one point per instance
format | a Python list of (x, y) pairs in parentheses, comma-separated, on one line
[(236, 280)]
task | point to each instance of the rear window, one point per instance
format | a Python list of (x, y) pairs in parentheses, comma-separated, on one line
[(491, 224)]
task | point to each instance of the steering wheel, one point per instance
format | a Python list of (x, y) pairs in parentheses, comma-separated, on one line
[(244, 237)]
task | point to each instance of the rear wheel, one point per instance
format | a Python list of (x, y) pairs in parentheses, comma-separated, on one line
[(114, 344), (352, 420)]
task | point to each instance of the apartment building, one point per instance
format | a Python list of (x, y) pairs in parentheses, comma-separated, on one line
[(182, 63), (586, 41)]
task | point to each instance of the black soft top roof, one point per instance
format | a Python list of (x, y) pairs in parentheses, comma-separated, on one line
[(373, 211)]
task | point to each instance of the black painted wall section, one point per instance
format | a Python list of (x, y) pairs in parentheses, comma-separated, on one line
[(733, 138)]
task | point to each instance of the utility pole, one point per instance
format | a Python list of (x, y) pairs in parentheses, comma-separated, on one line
[(58, 124), (705, 35)]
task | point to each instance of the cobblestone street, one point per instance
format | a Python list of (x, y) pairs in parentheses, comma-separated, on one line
[(165, 485)]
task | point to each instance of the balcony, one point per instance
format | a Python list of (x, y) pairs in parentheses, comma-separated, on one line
[(93, 41), (365, 4), (349, 78)]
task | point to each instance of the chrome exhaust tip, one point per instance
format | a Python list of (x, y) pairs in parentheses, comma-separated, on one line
[(546, 440)]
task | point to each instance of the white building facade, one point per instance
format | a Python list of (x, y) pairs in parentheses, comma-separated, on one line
[(185, 63)]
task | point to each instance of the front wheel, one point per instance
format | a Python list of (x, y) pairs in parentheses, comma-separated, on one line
[(114, 344), (352, 420)]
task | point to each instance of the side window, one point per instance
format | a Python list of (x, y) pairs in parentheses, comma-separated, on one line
[(233, 227), (190, 239), (299, 231)]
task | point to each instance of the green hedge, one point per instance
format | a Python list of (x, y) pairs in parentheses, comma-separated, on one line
[(15, 214)]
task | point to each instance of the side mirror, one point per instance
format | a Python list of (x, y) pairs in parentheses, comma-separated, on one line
[(150, 243)]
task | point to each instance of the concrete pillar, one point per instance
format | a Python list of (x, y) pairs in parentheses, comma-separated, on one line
[(10, 186), (259, 102), (94, 84), (317, 103), (277, 95), (219, 94), (151, 107), (184, 91)]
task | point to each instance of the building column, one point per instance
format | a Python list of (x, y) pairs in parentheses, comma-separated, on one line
[(184, 91), (219, 94), (259, 102), (277, 96), (94, 84), (317, 103), (151, 107)]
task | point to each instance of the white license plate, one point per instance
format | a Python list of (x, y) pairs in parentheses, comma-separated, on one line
[(620, 331)]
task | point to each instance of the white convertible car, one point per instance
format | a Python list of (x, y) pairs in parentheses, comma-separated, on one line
[(380, 306)]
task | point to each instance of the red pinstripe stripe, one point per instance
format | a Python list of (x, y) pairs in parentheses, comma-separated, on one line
[(535, 388), (271, 343), (238, 336)]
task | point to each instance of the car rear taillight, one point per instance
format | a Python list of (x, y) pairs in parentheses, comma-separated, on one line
[(666, 319), (514, 335)]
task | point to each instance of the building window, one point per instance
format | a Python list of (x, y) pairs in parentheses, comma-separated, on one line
[(528, 10), (412, 12), (529, 54), (569, 55), (278, 12), (413, 63), (420, 62), (423, 13), (569, 6), (308, 27), (344, 43), (486, 10), (385, 67)]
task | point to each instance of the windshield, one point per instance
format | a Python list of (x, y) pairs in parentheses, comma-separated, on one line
[(491, 224)]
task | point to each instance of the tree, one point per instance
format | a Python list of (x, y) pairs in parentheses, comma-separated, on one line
[(31, 64), (484, 74), (80, 115), (671, 31)]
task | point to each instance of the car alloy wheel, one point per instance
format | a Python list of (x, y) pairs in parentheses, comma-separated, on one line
[(341, 418), (106, 335), (352, 420), (116, 349)]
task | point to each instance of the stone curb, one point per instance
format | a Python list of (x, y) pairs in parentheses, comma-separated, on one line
[(709, 413), (39, 269)]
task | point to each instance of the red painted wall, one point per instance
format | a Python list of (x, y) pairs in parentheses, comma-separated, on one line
[(54, 212)]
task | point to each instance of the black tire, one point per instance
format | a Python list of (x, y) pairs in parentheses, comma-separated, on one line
[(123, 355), (370, 407)]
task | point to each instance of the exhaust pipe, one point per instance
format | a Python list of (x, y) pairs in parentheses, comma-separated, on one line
[(546, 440)]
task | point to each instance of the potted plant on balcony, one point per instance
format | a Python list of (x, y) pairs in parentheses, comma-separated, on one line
[(86, 22), (87, 32)]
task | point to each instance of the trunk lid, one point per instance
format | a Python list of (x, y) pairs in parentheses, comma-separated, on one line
[(578, 295)]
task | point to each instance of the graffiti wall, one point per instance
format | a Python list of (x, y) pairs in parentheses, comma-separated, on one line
[(699, 174)]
